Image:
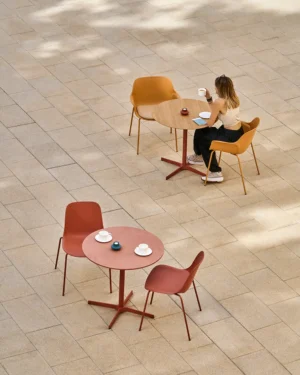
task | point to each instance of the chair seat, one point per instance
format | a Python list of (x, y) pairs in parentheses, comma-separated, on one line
[(166, 280), (72, 244), (146, 111)]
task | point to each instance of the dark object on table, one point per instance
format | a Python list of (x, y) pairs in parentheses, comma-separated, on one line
[(116, 246), (184, 111)]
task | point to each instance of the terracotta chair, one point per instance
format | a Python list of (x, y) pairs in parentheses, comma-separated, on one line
[(81, 219), (146, 93), (237, 148), (169, 280)]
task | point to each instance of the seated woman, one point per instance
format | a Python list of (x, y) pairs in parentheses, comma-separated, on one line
[(226, 109)]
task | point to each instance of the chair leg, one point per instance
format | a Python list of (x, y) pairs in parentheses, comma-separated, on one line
[(110, 281), (171, 130), (220, 156), (130, 127), (242, 175), (65, 274), (184, 315), (143, 315), (208, 168), (152, 298), (138, 138), (195, 289), (176, 141), (57, 255), (258, 172)]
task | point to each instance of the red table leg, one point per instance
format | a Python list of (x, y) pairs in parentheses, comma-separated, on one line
[(121, 306), (183, 165)]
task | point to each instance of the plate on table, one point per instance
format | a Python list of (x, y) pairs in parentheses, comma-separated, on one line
[(144, 253), (205, 114), (98, 239)]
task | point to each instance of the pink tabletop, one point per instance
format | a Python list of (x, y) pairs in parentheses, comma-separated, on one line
[(124, 259)]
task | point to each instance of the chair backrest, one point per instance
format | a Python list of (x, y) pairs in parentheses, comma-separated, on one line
[(250, 125), (193, 268), (152, 90), (83, 217), (249, 131)]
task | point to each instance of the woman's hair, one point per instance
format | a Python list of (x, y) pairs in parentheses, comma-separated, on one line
[(226, 91)]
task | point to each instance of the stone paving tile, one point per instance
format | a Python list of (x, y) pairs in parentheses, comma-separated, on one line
[(72, 177), (66, 75), (260, 363), (29, 363), (30, 313), (108, 352), (13, 340), (157, 353), (30, 214), (56, 345), (210, 360), (232, 338), (88, 122), (281, 341)]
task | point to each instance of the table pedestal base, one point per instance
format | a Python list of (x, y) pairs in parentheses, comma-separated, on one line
[(120, 307), (183, 165)]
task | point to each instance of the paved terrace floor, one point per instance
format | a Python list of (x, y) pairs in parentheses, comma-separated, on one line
[(66, 70)]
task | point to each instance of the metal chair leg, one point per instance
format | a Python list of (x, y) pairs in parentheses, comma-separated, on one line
[(242, 175), (184, 315), (208, 168), (57, 255), (220, 157), (152, 298), (110, 281), (65, 274), (258, 172), (130, 127), (176, 140), (138, 138), (195, 289), (143, 315)]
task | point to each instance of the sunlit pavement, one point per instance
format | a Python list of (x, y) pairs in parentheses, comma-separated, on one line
[(66, 71)]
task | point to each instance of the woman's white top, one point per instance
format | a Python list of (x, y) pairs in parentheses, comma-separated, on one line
[(230, 118)]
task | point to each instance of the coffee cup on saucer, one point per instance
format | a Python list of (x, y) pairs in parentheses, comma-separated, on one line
[(202, 92), (143, 250), (143, 247), (103, 235)]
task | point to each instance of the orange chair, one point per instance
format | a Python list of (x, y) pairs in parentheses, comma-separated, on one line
[(169, 280), (81, 219), (237, 148), (146, 93)]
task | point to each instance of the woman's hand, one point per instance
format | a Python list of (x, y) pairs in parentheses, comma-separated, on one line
[(207, 95)]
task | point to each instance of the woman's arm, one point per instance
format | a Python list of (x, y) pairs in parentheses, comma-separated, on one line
[(215, 108)]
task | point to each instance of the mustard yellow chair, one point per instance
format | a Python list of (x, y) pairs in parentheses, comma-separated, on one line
[(146, 93), (237, 148)]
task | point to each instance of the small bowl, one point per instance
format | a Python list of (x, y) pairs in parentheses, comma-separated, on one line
[(184, 112), (116, 246)]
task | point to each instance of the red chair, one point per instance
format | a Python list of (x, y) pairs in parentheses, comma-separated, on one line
[(81, 219), (170, 280)]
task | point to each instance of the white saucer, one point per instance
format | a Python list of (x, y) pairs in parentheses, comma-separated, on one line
[(205, 114), (142, 254), (108, 238)]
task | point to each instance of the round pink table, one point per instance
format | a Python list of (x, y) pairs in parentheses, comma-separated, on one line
[(122, 260)]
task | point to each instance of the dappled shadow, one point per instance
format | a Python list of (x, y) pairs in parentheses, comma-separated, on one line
[(99, 25), (121, 35)]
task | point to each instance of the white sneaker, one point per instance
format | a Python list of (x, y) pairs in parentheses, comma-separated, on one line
[(195, 159), (214, 177)]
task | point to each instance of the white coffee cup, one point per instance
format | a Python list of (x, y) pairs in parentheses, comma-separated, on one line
[(143, 247), (103, 234), (202, 92)]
